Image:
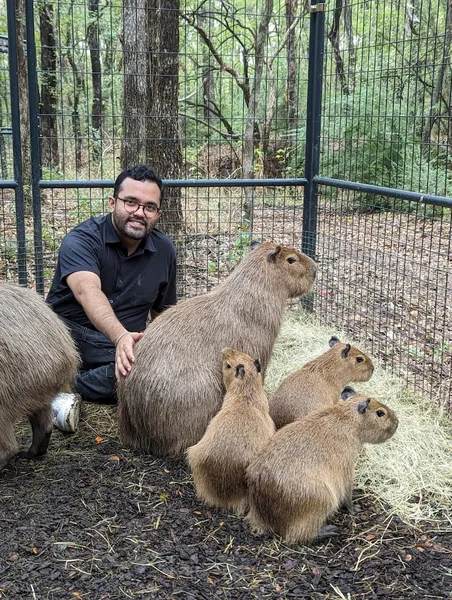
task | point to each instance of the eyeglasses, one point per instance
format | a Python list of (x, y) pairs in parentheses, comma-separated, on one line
[(132, 206)]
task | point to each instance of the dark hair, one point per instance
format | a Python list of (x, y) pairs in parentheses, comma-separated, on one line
[(139, 173)]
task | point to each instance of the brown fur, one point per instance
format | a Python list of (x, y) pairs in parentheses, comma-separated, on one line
[(319, 383), (306, 471), (174, 389), (234, 436), (38, 359)]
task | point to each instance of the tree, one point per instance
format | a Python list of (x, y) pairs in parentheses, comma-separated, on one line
[(93, 40), (23, 102), (163, 148), (136, 83), (48, 91)]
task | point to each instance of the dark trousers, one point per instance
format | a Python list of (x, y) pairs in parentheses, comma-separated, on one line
[(96, 380)]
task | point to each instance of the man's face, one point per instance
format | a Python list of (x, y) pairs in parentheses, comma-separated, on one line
[(137, 208)]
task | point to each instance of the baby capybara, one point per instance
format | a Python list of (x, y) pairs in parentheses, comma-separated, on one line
[(175, 387), (38, 359), (318, 384), (234, 436), (306, 470)]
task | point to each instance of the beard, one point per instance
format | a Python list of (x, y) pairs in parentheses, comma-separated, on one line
[(132, 226)]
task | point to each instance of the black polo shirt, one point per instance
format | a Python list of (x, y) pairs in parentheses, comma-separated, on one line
[(133, 284)]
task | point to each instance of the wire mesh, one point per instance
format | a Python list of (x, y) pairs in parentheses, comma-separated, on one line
[(218, 90)]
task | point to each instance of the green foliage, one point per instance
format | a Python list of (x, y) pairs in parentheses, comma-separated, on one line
[(241, 245)]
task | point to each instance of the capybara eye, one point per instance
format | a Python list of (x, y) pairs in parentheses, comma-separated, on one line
[(380, 413), (359, 359), (291, 260), (228, 366)]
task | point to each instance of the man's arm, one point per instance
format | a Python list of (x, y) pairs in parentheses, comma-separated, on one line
[(86, 287)]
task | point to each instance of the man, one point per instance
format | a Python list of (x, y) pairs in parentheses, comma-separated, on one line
[(111, 272)]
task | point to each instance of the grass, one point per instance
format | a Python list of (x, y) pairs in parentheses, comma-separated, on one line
[(410, 475)]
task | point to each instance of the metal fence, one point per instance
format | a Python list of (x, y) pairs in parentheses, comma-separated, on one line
[(325, 126)]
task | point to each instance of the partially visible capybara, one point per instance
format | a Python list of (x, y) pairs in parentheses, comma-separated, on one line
[(175, 386), (38, 358), (234, 436), (306, 470), (319, 383)]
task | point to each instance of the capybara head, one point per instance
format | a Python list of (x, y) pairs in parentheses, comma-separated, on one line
[(293, 269), (352, 361), (375, 421), (239, 368)]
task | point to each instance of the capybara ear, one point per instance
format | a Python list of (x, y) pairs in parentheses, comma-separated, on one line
[(348, 392), (254, 244), (362, 406), (271, 257), (226, 352), (345, 351), (333, 341), (240, 371), (257, 364)]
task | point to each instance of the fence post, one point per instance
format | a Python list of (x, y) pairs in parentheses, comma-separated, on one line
[(17, 150), (313, 123), (35, 149)]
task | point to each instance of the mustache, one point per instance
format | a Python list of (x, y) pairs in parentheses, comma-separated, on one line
[(136, 219)]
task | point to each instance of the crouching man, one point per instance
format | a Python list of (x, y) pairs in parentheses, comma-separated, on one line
[(112, 271)]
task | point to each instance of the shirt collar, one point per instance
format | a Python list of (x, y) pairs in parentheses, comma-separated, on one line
[(111, 237)]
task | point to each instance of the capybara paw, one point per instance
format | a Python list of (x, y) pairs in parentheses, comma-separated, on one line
[(26, 454), (329, 531)]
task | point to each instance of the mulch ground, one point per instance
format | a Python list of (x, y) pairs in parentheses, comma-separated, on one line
[(92, 520)]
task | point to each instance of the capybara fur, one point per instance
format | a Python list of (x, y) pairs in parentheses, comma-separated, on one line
[(175, 386), (38, 358), (306, 470), (318, 384), (234, 436)]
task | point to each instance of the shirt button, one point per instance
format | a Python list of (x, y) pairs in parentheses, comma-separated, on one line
[(111, 301)]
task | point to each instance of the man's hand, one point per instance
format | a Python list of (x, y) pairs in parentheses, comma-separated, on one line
[(125, 356)]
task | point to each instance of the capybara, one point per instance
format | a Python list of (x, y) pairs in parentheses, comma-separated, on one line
[(318, 384), (234, 436), (306, 470), (175, 386), (38, 358)]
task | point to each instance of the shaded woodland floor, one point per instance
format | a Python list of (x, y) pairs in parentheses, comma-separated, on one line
[(92, 520)]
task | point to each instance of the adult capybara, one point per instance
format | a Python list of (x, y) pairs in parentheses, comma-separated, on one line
[(37, 359), (175, 385), (234, 436), (319, 383), (306, 470)]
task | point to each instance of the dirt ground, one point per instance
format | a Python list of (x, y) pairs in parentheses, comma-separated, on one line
[(92, 520)]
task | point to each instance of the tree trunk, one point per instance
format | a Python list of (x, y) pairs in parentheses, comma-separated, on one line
[(333, 36), (93, 40), (78, 89), (163, 148), (137, 86), (23, 103), (48, 95), (251, 121), (438, 83), (351, 45), (292, 65)]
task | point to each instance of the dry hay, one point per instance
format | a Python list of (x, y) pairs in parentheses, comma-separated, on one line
[(411, 474)]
